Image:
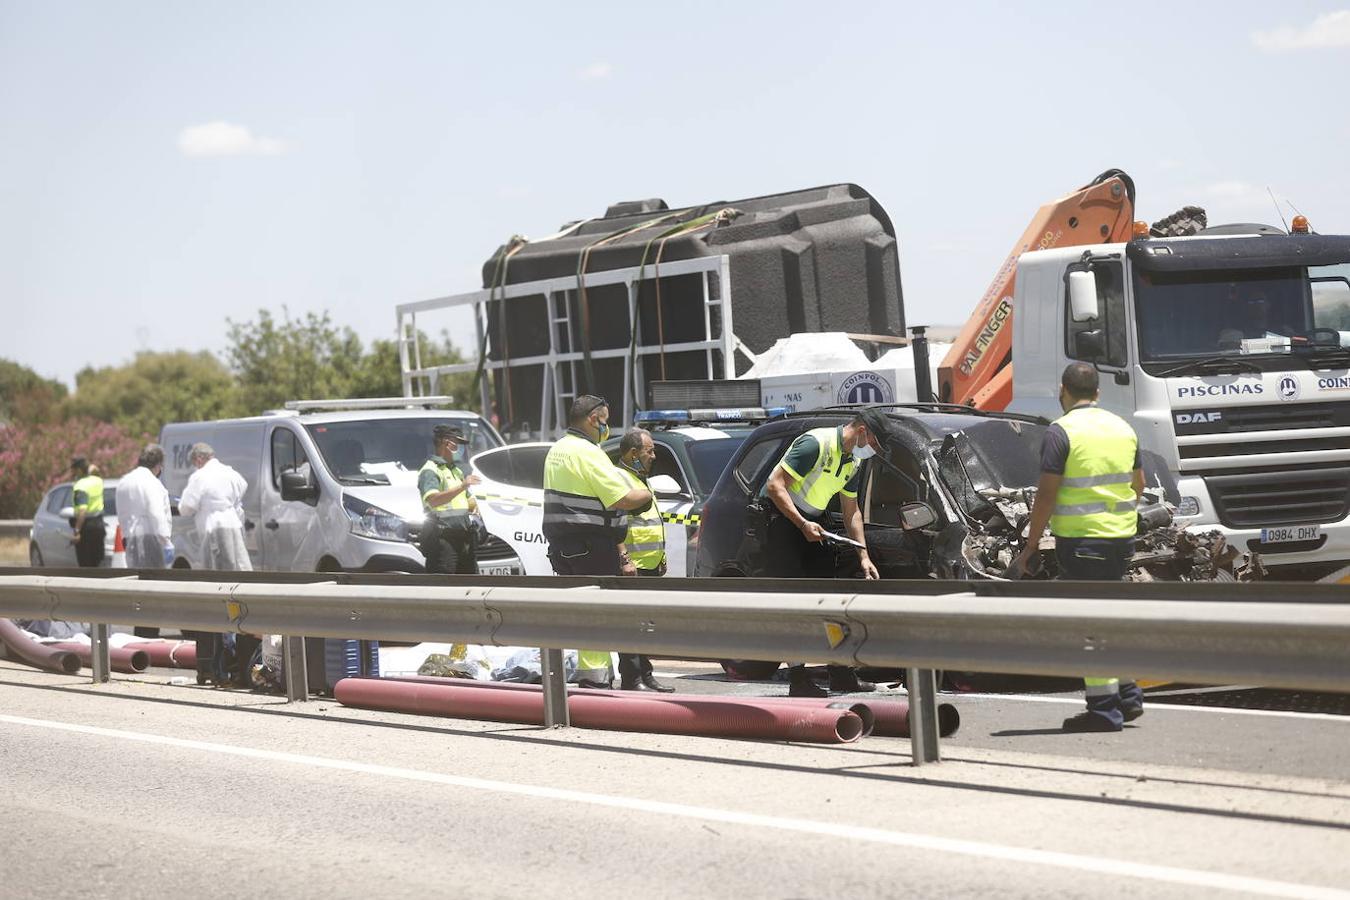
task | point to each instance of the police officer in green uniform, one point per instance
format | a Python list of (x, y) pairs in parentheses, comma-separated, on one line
[(820, 464), (447, 536), (87, 499), (643, 551), (1090, 482)]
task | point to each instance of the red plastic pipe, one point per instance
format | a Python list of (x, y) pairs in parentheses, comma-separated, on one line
[(123, 659), (859, 708), (39, 656), (169, 654), (707, 718), (892, 717)]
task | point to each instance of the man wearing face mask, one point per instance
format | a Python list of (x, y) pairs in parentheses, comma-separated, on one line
[(447, 536), (1090, 482), (586, 506), (643, 551), (818, 465)]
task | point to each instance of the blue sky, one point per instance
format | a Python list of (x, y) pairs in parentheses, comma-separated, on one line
[(166, 165)]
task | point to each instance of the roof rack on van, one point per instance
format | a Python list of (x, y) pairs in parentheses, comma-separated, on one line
[(369, 403)]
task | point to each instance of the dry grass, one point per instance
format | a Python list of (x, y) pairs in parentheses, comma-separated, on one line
[(14, 551)]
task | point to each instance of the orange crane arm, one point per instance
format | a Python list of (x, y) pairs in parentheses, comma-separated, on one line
[(978, 368)]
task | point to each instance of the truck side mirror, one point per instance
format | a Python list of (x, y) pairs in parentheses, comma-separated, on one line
[(1089, 345), (1082, 296), (916, 515), (296, 486)]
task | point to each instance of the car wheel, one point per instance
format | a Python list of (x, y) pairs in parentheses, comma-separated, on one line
[(34, 556), (749, 669)]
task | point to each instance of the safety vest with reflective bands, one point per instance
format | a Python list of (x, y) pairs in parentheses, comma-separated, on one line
[(1095, 496), (447, 476), (571, 509), (812, 493), (646, 538), (91, 486)]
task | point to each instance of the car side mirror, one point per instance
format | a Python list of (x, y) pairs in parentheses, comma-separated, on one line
[(664, 486), (67, 512), (916, 515), (1083, 296), (297, 486), (1089, 345)]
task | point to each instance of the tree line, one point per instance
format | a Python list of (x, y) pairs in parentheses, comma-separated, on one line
[(116, 410)]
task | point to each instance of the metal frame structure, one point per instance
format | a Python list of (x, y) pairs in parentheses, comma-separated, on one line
[(560, 363), (1067, 628)]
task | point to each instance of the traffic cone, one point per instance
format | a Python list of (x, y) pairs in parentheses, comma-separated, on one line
[(119, 557)]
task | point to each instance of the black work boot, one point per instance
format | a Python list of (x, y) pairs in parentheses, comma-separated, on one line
[(844, 680), (801, 685)]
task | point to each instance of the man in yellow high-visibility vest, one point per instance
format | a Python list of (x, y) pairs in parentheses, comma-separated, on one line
[(89, 532), (820, 464), (586, 506), (643, 551), (1090, 483), (447, 536)]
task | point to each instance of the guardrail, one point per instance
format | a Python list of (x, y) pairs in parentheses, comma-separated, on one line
[(1063, 628)]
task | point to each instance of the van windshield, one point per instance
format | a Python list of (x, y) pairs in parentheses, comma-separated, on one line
[(372, 450)]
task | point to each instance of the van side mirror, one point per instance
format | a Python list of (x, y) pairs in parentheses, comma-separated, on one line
[(1083, 296), (297, 486), (664, 486), (67, 512), (916, 515)]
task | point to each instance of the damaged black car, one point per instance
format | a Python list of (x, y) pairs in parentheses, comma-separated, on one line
[(949, 498)]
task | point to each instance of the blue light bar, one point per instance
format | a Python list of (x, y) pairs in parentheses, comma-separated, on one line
[(687, 416)]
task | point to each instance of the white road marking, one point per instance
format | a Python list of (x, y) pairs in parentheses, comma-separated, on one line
[(1167, 707), (852, 833)]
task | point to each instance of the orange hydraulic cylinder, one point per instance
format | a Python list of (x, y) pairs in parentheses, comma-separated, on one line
[(1100, 213)]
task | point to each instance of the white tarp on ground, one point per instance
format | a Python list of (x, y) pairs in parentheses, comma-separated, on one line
[(481, 660)]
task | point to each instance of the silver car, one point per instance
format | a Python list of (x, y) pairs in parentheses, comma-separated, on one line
[(49, 542)]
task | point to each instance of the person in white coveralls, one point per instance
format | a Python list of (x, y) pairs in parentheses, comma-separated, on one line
[(215, 496)]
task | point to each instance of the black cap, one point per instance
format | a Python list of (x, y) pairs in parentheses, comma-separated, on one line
[(444, 432), (878, 423)]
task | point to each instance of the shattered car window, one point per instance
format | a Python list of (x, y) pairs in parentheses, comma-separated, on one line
[(989, 456)]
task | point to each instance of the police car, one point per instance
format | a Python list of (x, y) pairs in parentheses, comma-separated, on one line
[(693, 447)]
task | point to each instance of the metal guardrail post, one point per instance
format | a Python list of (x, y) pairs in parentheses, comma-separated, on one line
[(294, 665), (555, 688), (923, 721), (100, 658)]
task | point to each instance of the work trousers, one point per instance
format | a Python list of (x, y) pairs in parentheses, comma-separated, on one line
[(449, 550), (1101, 559), (635, 665), (790, 555), (593, 555), (145, 551), (89, 550)]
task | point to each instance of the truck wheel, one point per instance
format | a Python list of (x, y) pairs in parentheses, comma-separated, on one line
[(749, 669)]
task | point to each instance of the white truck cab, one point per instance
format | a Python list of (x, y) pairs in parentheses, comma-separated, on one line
[(1230, 355), (332, 485)]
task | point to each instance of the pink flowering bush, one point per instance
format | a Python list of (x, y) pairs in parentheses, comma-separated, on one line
[(35, 456)]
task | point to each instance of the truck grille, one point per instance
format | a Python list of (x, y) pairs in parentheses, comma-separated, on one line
[(1258, 499)]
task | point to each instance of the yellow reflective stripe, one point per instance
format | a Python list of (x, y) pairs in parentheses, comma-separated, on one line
[(1083, 481)]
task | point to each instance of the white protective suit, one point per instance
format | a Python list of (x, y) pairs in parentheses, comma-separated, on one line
[(143, 513), (215, 496)]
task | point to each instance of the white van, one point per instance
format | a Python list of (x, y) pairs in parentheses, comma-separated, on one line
[(332, 490)]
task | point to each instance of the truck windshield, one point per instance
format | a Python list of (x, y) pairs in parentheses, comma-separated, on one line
[(1239, 312), (373, 449)]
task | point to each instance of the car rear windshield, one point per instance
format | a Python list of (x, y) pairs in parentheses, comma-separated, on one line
[(711, 457)]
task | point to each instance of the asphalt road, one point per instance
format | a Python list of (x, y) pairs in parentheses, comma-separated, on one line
[(146, 787)]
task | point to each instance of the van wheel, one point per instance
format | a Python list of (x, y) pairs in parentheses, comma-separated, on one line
[(34, 556), (749, 669)]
